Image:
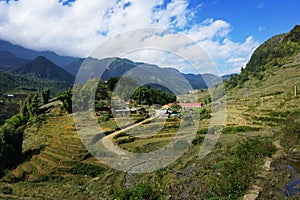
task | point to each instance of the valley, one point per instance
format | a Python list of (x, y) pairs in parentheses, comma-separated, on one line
[(255, 157)]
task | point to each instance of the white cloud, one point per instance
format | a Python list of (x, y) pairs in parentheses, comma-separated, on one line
[(261, 28), (79, 28)]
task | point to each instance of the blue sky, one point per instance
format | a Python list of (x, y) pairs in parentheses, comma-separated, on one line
[(260, 18), (227, 30)]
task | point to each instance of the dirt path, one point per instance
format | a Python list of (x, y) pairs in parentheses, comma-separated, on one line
[(107, 140)]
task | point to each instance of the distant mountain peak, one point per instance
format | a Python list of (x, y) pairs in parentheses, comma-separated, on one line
[(43, 68)]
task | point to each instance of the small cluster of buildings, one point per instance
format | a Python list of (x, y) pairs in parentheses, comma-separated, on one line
[(167, 112)]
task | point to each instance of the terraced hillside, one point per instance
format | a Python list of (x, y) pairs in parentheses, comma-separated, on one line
[(57, 164)]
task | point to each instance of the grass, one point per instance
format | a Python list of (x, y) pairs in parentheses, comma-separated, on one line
[(232, 176)]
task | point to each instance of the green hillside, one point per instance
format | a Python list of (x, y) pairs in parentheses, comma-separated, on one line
[(22, 87), (270, 56)]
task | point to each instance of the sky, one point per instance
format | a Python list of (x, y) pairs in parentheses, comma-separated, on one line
[(226, 31)]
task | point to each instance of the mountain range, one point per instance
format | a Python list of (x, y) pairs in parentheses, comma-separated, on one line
[(46, 65)]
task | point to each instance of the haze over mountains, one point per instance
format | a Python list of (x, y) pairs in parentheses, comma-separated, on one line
[(47, 65)]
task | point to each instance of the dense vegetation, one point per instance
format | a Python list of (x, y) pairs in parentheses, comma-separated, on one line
[(146, 95), (11, 133), (11, 139), (9, 81), (143, 95)]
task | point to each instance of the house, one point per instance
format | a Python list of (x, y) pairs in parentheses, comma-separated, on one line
[(187, 105)]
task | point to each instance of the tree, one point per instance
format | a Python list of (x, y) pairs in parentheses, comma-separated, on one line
[(112, 81), (45, 96), (11, 140), (101, 92), (175, 107), (33, 105), (66, 98)]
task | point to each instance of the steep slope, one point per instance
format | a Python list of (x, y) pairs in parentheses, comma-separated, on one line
[(42, 68), (270, 82), (275, 53)]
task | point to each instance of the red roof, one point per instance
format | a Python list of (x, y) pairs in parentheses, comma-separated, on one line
[(187, 104)]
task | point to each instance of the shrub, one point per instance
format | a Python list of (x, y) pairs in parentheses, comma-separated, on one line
[(139, 192), (6, 190), (197, 140), (86, 169), (202, 131), (231, 130)]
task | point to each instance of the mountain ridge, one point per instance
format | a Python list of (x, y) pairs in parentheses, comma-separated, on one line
[(116, 68), (29, 54), (42, 68), (273, 54)]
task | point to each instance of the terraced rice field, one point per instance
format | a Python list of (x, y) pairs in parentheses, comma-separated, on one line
[(57, 149)]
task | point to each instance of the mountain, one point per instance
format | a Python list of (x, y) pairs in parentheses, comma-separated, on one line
[(74, 66), (227, 76), (275, 53), (117, 67), (114, 67), (9, 61), (28, 54), (42, 68), (196, 81), (15, 56)]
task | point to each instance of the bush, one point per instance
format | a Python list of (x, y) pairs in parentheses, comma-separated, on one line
[(86, 169), (268, 119), (104, 118), (11, 140), (139, 192), (202, 131), (6, 190), (236, 129), (197, 140)]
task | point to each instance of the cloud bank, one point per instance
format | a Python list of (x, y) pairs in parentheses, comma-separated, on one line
[(76, 28)]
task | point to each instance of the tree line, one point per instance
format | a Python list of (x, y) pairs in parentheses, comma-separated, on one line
[(11, 133)]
